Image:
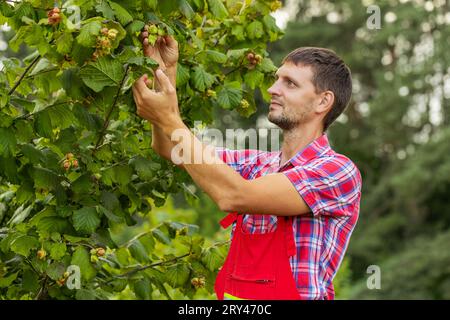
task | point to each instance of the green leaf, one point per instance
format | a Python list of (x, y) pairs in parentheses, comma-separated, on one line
[(8, 169), (136, 26), (61, 116), (148, 242), (102, 73), (182, 75), (6, 281), (104, 8), (202, 79), (41, 65), (24, 130), (6, 9), (20, 215), (178, 274), (108, 176), (122, 174), (86, 220), (160, 236), (85, 294), (45, 178), (54, 224), (25, 192), (255, 30), (43, 124), (89, 32), (158, 279), (236, 54), (186, 9), (7, 142), (253, 78), (216, 56), (143, 167), (212, 258), (58, 250), (109, 200), (81, 259), (24, 244), (30, 281), (7, 196), (32, 153), (218, 9), (121, 14), (239, 32), (230, 95), (111, 216), (82, 184), (267, 66), (64, 43), (151, 4), (143, 289), (55, 270), (74, 239), (270, 23), (138, 251)]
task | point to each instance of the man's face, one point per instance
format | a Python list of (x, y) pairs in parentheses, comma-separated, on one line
[(293, 96)]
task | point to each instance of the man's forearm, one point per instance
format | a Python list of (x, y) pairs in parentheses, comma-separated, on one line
[(210, 173), (160, 142)]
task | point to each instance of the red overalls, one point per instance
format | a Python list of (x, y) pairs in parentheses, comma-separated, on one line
[(257, 265)]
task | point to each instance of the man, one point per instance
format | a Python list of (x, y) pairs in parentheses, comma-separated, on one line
[(293, 210)]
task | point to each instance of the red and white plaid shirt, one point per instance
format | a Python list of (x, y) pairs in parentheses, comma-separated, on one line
[(330, 184)]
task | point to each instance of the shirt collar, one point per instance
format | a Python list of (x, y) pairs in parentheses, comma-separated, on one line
[(312, 150)]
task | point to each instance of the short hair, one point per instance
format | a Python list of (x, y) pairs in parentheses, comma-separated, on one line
[(329, 73)]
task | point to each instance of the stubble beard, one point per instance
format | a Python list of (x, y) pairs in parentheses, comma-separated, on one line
[(284, 121)]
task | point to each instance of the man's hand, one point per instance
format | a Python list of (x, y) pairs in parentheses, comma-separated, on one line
[(165, 52), (158, 107)]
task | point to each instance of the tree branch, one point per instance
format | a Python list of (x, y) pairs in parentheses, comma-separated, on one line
[(23, 75), (43, 290), (106, 123), (127, 274)]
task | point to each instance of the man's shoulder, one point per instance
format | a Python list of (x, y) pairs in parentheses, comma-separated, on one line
[(332, 162)]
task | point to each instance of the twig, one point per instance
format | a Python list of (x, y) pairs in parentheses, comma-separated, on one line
[(42, 290), (80, 244), (106, 123), (127, 274), (32, 267), (41, 72), (23, 75), (25, 116)]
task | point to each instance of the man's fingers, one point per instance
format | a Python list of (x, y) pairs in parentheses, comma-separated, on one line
[(164, 81), (171, 42), (143, 35), (140, 86), (137, 100)]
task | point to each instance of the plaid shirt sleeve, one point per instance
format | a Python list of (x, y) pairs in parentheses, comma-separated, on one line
[(240, 160), (330, 186)]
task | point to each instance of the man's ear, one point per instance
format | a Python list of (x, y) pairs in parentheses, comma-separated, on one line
[(326, 102)]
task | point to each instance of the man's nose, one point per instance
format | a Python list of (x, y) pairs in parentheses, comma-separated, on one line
[(274, 89)]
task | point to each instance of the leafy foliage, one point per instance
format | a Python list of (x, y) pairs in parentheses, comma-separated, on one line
[(75, 160)]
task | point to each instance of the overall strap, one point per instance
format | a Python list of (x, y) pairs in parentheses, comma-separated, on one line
[(228, 220), (289, 233)]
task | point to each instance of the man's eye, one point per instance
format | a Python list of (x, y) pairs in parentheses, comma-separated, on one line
[(290, 83)]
